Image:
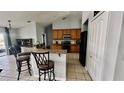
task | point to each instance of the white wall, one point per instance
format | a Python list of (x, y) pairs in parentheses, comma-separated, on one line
[(13, 36), (119, 71), (86, 15), (40, 30), (112, 43), (71, 21), (28, 31), (32, 30), (2, 31)]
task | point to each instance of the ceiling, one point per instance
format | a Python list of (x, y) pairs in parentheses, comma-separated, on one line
[(20, 18)]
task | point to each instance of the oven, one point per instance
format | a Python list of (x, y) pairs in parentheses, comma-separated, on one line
[(66, 45)]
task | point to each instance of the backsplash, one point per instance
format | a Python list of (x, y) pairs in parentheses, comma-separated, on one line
[(60, 41)]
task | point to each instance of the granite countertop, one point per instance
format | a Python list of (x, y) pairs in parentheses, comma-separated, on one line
[(33, 49)]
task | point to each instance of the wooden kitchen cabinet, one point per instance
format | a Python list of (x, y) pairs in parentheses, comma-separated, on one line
[(59, 47), (59, 34), (68, 31), (78, 48), (73, 34), (56, 47), (55, 34), (64, 31), (74, 48), (78, 34)]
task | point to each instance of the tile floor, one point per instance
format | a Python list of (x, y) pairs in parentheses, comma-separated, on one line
[(75, 72)]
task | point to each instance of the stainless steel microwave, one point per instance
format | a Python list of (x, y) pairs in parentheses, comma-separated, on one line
[(67, 37)]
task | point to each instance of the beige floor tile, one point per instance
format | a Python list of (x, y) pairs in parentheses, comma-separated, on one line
[(74, 66), (80, 76), (78, 70), (87, 77)]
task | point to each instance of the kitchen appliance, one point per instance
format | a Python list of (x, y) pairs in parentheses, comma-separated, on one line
[(83, 46), (67, 37), (66, 45)]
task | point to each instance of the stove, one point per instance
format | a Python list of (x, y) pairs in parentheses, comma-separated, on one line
[(66, 45)]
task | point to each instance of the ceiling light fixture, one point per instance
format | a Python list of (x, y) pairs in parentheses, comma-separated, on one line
[(63, 18), (9, 21), (28, 21)]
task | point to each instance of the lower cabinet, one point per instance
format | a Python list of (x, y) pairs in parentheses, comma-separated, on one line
[(54, 46), (58, 47), (74, 48)]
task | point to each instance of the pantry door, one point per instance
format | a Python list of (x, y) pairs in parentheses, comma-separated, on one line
[(96, 44)]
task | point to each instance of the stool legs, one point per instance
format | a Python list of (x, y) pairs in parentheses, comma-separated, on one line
[(19, 69), (29, 69), (49, 74), (18, 75), (19, 65), (53, 74), (39, 75)]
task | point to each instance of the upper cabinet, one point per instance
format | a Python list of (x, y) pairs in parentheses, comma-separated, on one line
[(59, 33), (66, 31), (78, 34), (55, 34), (73, 34)]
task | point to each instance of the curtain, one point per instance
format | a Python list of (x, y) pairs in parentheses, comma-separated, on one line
[(9, 43)]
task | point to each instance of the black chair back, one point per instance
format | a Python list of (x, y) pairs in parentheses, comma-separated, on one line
[(41, 58), (13, 51)]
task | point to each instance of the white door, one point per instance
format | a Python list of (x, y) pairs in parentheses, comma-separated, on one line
[(96, 45)]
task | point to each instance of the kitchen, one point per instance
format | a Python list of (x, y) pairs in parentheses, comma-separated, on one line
[(59, 33), (66, 39), (61, 38)]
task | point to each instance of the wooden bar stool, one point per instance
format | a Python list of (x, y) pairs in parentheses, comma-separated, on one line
[(22, 60), (44, 65)]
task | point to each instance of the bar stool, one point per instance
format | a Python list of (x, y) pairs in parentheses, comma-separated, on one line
[(22, 60), (44, 65)]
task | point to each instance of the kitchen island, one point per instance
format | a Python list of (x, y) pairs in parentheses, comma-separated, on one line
[(58, 56)]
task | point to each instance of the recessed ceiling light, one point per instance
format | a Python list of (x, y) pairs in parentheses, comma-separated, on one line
[(63, 18), (28, 21), (9, 20)]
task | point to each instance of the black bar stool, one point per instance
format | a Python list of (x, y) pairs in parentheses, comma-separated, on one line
[(44, 65), (22, 59)]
